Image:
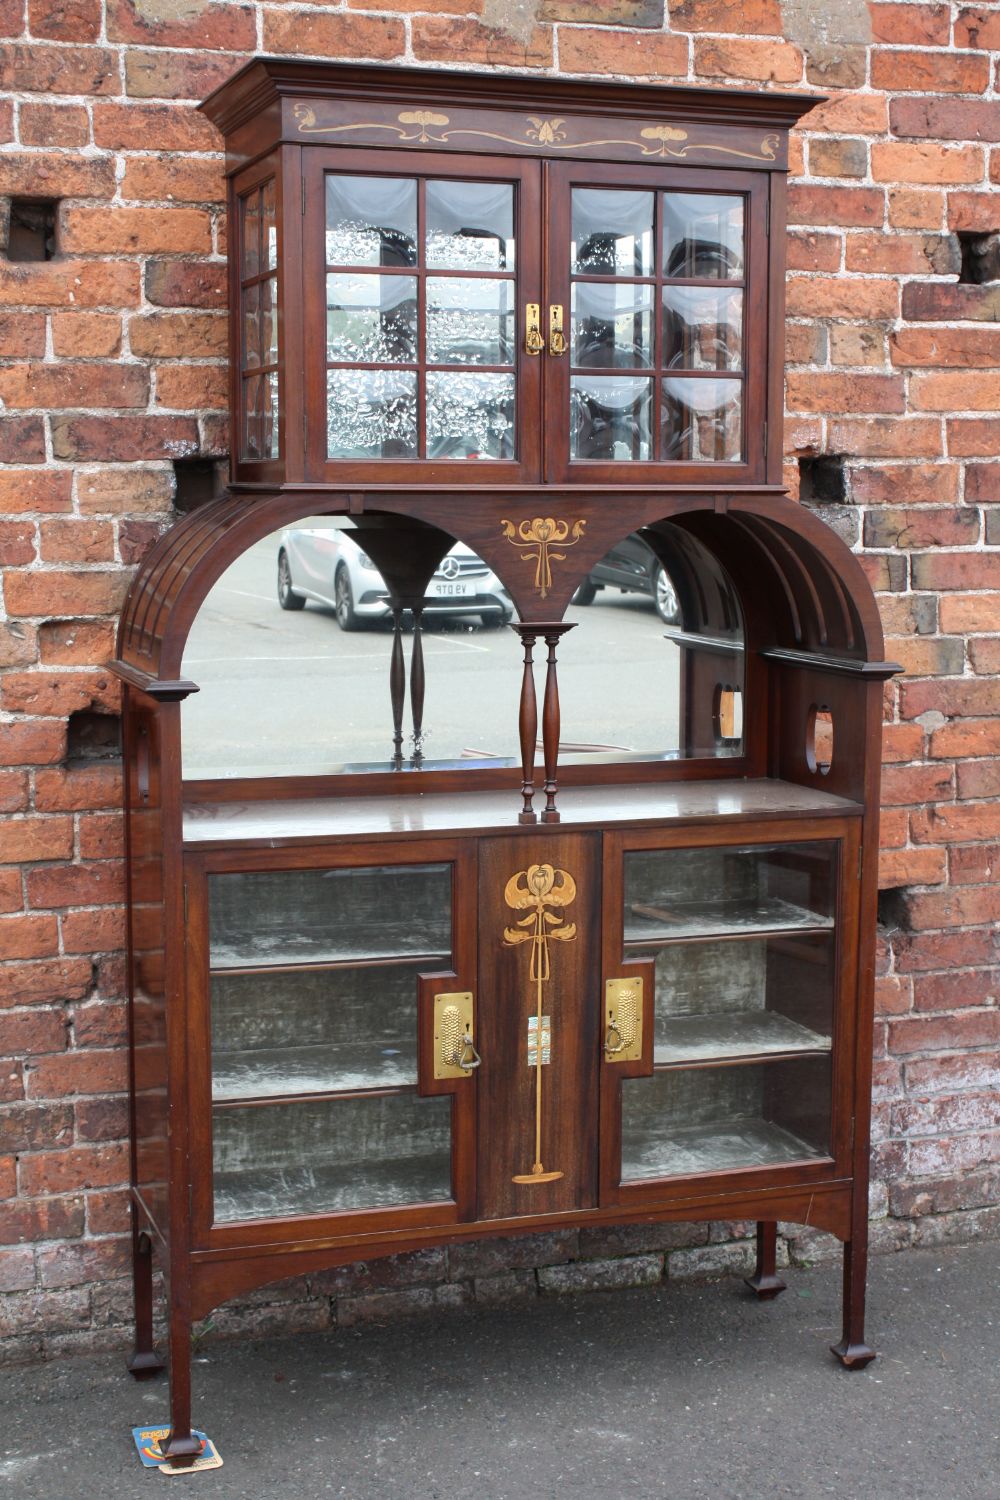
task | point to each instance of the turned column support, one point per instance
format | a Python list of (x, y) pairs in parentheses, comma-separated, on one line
[(527, 724), (550, 719)]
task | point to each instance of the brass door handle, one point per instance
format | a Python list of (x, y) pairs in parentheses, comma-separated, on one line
[(533, 341), (557, 340), (623, 1034), (455, 1054), (467, 1057)]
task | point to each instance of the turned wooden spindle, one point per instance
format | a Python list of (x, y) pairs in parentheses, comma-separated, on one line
[(527, 726), (550, 722), (397, 687), (417, 687)]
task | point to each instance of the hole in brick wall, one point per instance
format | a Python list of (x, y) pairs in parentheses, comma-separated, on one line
[(980, 257), (892, 913), (91, 736), (823, 478), (31, 232), (196, 482)]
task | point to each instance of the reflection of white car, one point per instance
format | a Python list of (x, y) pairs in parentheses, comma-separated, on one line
[(326, 564)]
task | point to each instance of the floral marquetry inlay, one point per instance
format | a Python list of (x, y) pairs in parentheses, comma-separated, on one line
[(434, 128), (543, 533)]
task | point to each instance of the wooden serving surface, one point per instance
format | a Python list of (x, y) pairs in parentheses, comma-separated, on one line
[(281, 822)]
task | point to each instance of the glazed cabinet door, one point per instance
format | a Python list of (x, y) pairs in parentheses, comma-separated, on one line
[(656, 307), (424, 356), (317, 1086), (728, 1010)]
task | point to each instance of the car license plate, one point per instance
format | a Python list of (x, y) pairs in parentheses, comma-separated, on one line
[(450, 590)]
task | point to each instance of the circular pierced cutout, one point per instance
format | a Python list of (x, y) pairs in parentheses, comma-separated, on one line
[(727, 714), (819, 739)]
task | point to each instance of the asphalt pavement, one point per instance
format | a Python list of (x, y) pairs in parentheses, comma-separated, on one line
[(684, 1390)]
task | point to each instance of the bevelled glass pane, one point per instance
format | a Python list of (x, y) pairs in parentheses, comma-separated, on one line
[(701, 420), (470, 321), (269, 320), (470, 226), (313, 916), (269, 223), (703, 236), (251, 327), (311, 1031), (371, 319), (612, 324), (250, 234), (612, 233), (329, 1155), (371, 221), (371, 414), (681, 1122), (270, 415), (252, 435), (611, 417), (702, 328), (470, 415)]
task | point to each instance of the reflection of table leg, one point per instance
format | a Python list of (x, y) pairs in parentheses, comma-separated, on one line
[(417, 688), (397, 687)]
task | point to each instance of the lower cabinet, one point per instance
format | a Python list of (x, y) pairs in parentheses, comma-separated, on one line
[(400, 1035)]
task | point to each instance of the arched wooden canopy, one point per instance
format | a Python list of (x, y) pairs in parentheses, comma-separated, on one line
[(803, 590)]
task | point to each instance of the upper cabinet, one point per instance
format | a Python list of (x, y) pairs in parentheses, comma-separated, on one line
[(479, 280)]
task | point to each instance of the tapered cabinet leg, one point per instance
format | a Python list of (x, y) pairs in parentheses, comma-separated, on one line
[(144, 1360), (852, 1351), (765, 1282), (180, 1444)]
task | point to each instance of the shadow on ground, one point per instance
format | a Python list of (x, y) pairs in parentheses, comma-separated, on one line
[(679, 1391)]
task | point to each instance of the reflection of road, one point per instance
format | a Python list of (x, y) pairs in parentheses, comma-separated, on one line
[(292, 691)]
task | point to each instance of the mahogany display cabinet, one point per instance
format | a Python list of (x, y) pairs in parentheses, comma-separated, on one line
[(439, 931)]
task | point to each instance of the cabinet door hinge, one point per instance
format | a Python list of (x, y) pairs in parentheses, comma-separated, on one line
[(767, 213), (765, 439), (185, 905)]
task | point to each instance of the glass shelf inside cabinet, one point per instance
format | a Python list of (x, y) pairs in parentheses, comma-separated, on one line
[(330, 1155), (684, 894), (761, 1114), (286, 917)]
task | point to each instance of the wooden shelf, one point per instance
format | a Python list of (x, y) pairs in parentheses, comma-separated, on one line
[(280, 822), (726, 1035)]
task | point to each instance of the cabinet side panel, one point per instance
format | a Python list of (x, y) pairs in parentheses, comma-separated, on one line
[(508, 1008), (147, 1007)]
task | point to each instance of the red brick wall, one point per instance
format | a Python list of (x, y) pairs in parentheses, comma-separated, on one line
[(112, 365)]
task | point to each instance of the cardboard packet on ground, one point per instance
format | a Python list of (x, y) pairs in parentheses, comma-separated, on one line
[(148, 1439)]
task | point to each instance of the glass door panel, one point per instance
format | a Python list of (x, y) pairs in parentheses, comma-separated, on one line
[(689, 1121), (314, 1039), (738, 947), (658, 281), (331, 1155), (422, 345)]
